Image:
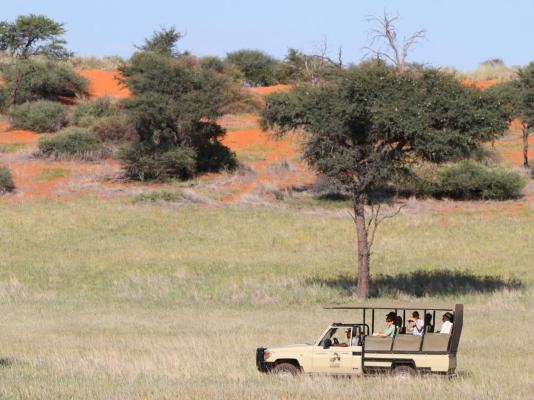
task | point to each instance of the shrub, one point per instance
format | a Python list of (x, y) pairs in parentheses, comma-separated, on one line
[(466, 180), (38, 80), (471, 180), (258, 68), (40, 116), (72, 143), (97, 108), (115, 129), (142, 165), (6, 180), (4, 98)]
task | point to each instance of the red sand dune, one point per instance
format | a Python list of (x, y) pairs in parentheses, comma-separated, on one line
[(265, 90), (104, 83), (19, 137), (481, 84)]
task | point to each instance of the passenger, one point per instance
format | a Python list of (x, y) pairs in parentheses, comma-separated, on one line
[(416, 324), (389, 331), (428, 323), (447, 319)]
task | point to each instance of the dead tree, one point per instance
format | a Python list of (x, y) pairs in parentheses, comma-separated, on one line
[(386, 31)]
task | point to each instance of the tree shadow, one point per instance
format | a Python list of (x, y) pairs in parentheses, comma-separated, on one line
[(422, 283)]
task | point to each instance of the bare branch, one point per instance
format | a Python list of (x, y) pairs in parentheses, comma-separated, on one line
[(386, 31), (376, 220)]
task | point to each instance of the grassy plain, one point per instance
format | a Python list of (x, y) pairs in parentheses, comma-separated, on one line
[(115, 300)]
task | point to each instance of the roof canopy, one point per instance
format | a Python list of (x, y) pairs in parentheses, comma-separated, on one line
[(436, 307)]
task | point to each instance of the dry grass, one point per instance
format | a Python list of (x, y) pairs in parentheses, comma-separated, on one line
[(111, 300)]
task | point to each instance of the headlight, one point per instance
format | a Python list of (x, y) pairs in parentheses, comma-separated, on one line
[(266, 355)]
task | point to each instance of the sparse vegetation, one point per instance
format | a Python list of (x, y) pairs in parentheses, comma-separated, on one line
[(115, 129), (49, 174), (6, 180), (11, 147), (72, 143), (40, 116), (93, 109)]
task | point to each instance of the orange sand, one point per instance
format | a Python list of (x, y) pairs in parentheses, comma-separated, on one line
[(104, 83), (19, 137), (481, 84), (264, 90)]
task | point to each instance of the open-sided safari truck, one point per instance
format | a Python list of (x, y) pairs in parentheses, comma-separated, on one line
[(351, 348)]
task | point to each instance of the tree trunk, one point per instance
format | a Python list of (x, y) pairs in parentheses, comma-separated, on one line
[(362, 287), (525, 147)]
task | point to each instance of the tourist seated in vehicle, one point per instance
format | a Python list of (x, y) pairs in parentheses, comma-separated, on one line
[(415, 324), (446, 327), (428, 323), (352, 339), (390, 329)]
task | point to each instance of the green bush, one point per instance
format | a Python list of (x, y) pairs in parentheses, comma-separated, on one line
[(97, 108), (143, 165), (42, 80), (471, 180), (258, 68), (40, 116), (6, 180), (466, 180), (72, 143), (115, 129)]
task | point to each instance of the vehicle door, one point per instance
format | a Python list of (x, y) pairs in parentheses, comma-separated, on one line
[(336, 359)]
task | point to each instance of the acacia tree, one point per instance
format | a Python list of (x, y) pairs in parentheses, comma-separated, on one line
[(526, 106), (29, 36), (517, 100), (174, 109), (368, 127)]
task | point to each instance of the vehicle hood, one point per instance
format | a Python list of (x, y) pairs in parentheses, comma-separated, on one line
[(289, 347)]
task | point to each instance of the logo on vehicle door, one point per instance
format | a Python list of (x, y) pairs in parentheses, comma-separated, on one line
[(335, 361)]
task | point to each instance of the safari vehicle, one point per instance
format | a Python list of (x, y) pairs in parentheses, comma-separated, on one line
[(363, 353)]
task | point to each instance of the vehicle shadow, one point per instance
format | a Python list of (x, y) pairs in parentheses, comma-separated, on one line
[(421, 283)]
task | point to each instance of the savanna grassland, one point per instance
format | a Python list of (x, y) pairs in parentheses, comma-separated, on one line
[(110, 299)]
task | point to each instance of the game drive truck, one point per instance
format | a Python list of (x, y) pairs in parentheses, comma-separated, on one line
[(352, 349)]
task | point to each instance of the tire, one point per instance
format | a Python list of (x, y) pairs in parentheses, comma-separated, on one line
[(286, 370), (404, 371)]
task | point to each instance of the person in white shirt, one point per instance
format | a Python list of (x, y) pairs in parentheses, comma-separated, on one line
[(446, 327), (352, 338), (416, 324)]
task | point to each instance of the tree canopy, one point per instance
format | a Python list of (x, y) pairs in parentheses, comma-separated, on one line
[(163, 42), (32, 35)]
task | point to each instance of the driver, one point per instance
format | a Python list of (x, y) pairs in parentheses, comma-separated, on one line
[(352, 339)]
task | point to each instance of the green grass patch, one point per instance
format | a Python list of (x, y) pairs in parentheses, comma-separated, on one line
[(12, 147), (49, 174)]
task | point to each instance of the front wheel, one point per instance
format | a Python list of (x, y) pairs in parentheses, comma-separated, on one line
[(285, 369), (404, 371)]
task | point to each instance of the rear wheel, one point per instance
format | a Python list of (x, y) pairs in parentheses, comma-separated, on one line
[(285, 369), (404, 371)]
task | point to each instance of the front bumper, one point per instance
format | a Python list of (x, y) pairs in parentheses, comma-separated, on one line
[(261, 364)]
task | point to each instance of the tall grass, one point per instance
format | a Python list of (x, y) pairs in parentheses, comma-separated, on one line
[(113, 300)]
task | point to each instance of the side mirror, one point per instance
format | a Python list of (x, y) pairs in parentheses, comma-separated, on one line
[(327, 343)]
